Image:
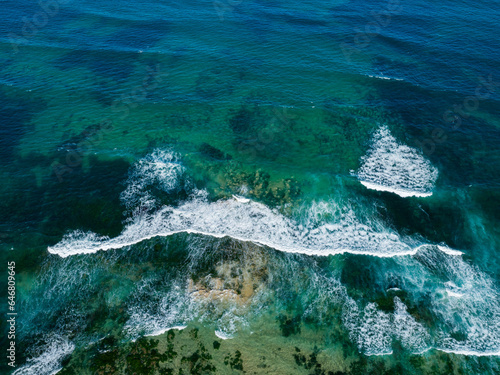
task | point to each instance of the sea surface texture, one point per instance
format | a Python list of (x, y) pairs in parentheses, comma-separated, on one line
[(250, 186)]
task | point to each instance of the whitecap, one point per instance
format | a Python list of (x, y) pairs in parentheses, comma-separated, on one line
[(393, 167), (49, 362), (162, 169), (386, 78), (160, 312), (465, 302), (247, 221), (412, 335), (163, 330), (373, 330), (254, 222), (445, 249), (369, 328), (472, 353), (393, 290), (319, 228), (222, 335), (337, 231)]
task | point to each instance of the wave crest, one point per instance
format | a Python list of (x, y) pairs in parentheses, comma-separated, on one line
[(396, 168)]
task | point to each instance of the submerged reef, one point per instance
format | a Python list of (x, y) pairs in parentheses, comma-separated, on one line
[(194, 351)]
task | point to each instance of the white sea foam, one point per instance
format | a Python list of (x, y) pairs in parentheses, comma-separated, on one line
[(472, 353), (453, 290), (476, 314), (328, 292), (246, 221), (465, 302), (374, 330), (447, 250), (222, 335), (396, 168), (241, 199), (49, 362), (454, 294), (370, 328), (154, 310), (238, 217), (412, 335), (228, 319), (338, 229), (399, 191), (161, 169), (158, 313), (386, 78), (163, 330), (252, 222)]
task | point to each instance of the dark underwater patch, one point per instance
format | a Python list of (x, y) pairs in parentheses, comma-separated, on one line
[(140, 35), (436, 220), (212, 152), (303, 20), (87, 200), (115, 65), (289, 325), (94, 197), (17, 108)]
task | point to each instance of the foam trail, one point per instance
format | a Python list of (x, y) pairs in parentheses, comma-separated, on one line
[(152, 316), (386, 78), (222, 335), (396, 168), (49, 362), (374, 330), (466, 303), (161, 169), (370, 328), (163, 330), (412, 335)]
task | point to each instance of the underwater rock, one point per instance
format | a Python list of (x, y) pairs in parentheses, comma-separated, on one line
[(233, 280), (258, 185), (289, 325), (212, 152)]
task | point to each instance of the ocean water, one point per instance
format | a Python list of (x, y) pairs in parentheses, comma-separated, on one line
[(270, 187)]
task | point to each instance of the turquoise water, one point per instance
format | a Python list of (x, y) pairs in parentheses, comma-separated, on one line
[(313, 186)]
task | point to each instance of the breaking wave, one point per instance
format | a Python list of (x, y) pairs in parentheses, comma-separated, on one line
[(322, 228), (396, 168), (374, 330), (49, 362)]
